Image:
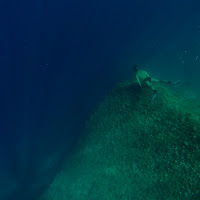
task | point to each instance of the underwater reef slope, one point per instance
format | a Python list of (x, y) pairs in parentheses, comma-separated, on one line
[(134, 150)]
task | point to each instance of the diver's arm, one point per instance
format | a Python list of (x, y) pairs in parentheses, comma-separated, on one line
[(138, 81), (147, 74)]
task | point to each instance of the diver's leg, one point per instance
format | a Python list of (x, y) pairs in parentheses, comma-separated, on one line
[(153, 80)]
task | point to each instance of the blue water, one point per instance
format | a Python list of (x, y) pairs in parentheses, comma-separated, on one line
[(59, 58)]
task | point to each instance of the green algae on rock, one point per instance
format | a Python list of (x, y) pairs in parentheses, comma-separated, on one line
[(130, 150)]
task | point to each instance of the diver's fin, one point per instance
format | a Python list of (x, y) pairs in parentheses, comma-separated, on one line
[(176, 82)]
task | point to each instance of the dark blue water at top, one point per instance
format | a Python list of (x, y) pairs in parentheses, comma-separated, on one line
[(59, 58)]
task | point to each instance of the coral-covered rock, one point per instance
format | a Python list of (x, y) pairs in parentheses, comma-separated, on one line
[(135, 148)]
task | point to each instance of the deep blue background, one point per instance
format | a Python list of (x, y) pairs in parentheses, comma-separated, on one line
[(57, 61)]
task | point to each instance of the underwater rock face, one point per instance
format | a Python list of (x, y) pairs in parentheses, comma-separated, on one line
[(134, 149)]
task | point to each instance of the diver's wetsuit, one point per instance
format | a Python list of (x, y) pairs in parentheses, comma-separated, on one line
[(142, 77)]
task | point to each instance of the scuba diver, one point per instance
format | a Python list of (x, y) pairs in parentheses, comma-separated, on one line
[(143, 79)]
